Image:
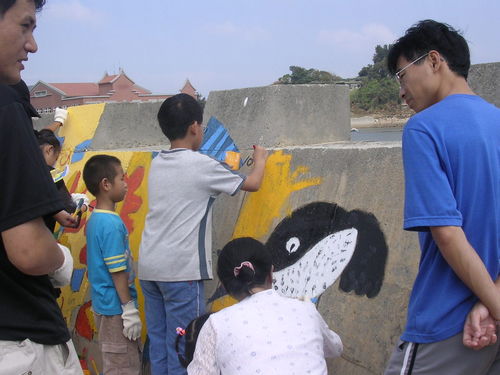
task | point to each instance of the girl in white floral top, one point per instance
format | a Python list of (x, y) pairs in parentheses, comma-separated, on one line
[(264, 333)]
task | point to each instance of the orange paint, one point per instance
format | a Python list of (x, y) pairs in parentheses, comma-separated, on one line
[(132, 202)]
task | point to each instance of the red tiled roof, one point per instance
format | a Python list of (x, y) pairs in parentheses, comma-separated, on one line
[(77, 89), (188, 85), (140, 90), (107, 78)]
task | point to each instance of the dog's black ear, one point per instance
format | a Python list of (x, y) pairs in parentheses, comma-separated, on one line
[(365, 272)]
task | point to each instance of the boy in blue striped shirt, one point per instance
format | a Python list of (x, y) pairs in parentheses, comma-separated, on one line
[(110, 270)]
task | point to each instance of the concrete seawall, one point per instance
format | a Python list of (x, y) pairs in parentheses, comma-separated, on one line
[(317, 185)]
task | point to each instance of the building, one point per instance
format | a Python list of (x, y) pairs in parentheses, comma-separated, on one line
[(45, 97)]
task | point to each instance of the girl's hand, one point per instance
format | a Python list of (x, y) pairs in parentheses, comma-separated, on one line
[(66, 219)]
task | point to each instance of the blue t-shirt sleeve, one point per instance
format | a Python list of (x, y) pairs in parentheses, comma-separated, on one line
[(114, 251), (429, 199)]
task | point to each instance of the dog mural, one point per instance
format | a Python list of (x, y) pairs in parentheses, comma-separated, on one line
[(320, 242)]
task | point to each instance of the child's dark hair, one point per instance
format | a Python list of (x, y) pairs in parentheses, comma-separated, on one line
[(191, 334), (430, 35), (243, 263), (97, 168), (177, 113), (47, 137)]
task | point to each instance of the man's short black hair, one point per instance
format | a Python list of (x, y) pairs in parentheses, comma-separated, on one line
[(6, 4), (430, 35), (97, 168), (177, 113)]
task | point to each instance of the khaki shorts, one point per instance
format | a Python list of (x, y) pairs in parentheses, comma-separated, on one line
[(120, 356), (29, 358), (447, 357)]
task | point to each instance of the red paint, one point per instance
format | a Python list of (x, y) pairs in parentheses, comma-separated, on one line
[(132, 202), (83, 255), (82, 324)]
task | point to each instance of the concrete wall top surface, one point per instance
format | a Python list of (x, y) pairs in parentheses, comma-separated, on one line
[(484, 79), (282, 115)]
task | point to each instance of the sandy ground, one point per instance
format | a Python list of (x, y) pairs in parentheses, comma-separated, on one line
[(377, 122)]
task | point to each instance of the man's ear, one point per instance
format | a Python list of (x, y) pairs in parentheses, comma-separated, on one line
[(436, 60)]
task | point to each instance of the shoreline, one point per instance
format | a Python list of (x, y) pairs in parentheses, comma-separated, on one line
[(380, 122)]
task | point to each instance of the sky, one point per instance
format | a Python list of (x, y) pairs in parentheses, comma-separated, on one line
[(227, 44)]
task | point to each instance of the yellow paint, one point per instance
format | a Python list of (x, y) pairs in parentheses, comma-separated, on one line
[(81, 124), (264, 206), (71, 301), (222, 302), (258, 215)]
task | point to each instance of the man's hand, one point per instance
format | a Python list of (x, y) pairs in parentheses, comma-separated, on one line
[(62, 276), (66, 219), (479, 328)]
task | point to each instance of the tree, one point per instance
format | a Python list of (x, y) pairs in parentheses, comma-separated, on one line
[(378, 90), (303, 76), (379, 67), (201, 100), (376, 94)]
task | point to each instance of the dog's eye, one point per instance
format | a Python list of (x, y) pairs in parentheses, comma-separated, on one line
[(292, 245)]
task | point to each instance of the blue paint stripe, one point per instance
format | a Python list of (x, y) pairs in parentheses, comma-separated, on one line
[(222, 146), (202, 254), (76, 279), (210, 141)]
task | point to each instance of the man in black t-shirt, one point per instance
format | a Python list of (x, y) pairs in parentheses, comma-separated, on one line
[(33, 334)]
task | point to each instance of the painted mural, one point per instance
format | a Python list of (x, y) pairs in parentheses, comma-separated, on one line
[(312, 246)]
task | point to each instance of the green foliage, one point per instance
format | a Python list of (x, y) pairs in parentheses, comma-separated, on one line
[(376, 94), (201, 100), (301, 75), (379, 90), (378, 69)]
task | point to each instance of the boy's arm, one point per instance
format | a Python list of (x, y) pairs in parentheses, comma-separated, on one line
[(468, 266), (60, 117), (120, 279), (254, 179), (132, 325)]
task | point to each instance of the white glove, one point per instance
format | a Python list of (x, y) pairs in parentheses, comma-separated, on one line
[(60, 115), (77, 196), (132, 325), (62, 276)]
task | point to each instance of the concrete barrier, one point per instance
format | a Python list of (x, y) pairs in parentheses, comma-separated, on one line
[(362, 177), (310, 191), (283, 115), (484, 79)]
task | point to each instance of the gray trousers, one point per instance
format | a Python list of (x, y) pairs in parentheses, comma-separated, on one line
[(447, 357), (28, 357)]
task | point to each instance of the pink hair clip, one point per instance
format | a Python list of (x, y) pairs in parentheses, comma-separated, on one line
[(238, 269), (180, 331)]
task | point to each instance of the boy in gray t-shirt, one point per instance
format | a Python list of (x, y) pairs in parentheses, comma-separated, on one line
[(176, 246)]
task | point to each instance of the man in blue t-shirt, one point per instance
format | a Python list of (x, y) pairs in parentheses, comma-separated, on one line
[(451, 158)]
